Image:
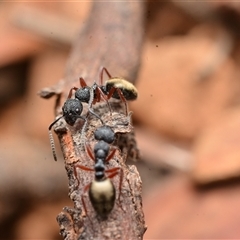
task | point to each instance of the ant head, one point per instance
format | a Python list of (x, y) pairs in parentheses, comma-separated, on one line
[(83, 94), (105, 133), (72, 110)]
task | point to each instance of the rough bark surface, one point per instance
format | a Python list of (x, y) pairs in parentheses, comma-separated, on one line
[(111, 38)]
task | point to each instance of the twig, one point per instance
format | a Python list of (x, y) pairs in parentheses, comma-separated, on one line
[(111, 38)]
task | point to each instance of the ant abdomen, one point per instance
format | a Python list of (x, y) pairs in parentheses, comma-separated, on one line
[(128, 89), (102, 196)]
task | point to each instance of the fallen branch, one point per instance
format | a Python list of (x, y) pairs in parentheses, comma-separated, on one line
[(111, 38)]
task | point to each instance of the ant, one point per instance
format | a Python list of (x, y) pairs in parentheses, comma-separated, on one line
[(118, 88), (101, 190), (114, 87)]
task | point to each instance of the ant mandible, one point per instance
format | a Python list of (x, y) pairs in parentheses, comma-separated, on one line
[(101, 190)]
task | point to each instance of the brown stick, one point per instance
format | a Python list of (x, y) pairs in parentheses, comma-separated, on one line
[(111, 38)]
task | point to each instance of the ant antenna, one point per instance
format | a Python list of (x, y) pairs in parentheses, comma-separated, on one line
[(102, 69), (51, 125), (91, 98), (51, 135), (52, 139), (52, 145)]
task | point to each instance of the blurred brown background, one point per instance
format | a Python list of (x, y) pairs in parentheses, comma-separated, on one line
[(187, 117)]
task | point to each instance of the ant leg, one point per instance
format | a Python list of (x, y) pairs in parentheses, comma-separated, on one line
[(111, 92), (100, 94), (102, 69), (89, 151), (97, 116), (81, 167), (82, 82), (110, 156), (70, 92), (91, 102), (120, 183), (86, 188), (84, 204), (114, 172), (123, 99)]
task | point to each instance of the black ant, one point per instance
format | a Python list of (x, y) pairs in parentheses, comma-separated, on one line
[(118, 88), (72, 108), (114, 87), (101, 190)]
